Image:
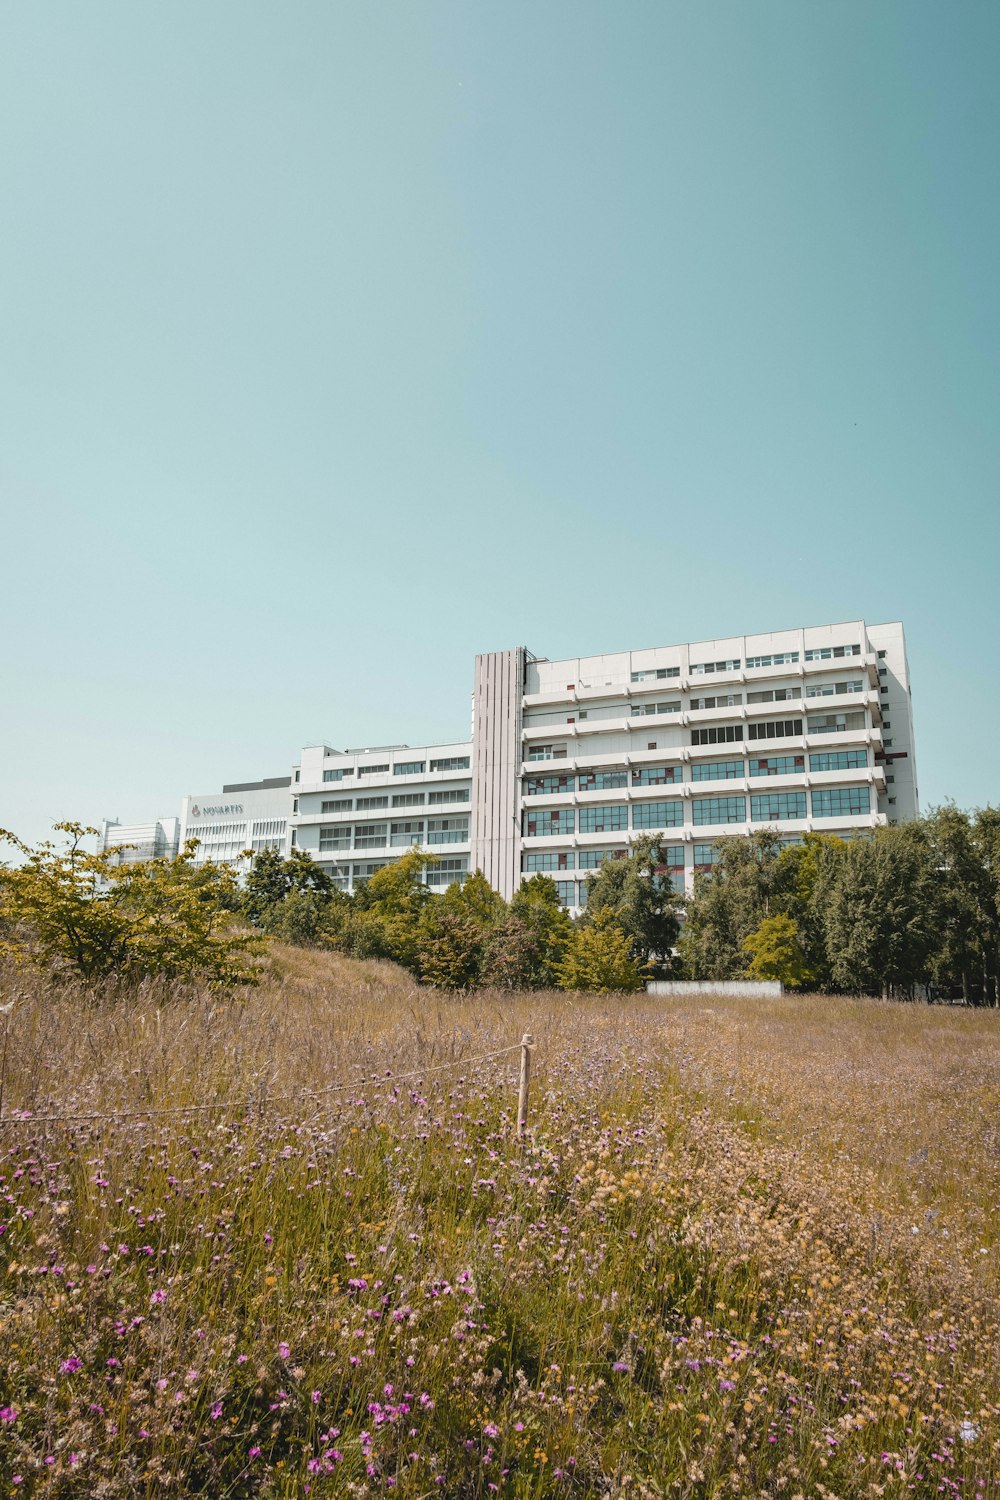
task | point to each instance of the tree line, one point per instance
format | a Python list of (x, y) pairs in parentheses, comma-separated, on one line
[(910, 910)]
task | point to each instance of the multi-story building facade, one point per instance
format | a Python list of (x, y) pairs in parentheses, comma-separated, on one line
[(137, 843), (796, 730), (356, 810), (245, 815), (571, 760)]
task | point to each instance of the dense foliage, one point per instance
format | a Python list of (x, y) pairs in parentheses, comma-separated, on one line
[(912, 909), (468, 935), (96, 918)]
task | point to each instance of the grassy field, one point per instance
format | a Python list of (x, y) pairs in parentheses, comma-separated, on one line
[(750, 1248)]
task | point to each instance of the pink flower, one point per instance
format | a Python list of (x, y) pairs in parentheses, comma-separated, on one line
[(283, 1350), (158, 1296), (71, 1365), (253, 1452), (8, 1414), (317, 1397), (216, 1411)]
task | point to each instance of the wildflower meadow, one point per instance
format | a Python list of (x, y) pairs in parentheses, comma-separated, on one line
[(287, 1242)]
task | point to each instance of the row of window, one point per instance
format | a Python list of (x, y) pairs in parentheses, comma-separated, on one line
[(547, 860), (444, 873), (765, 807), (398, 835), (773, 659), (717, 770), (400, 799), (776, 729), (401, 768)]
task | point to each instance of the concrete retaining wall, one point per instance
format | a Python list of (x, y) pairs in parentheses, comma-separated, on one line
[(758, 989)]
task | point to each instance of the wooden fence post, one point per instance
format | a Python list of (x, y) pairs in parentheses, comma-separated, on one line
[(527, 1046)]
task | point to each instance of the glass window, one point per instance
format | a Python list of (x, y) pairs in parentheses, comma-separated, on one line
[(366, 804), (648, 710), (775, 729), (777, 807), (544, 822), (439, 798), (776, 659), (655, 775), (838, 760), (833, 689), (409, 768), (547, 859), (338, 775), (717, 770), (370, 771), (841, 802), (776, 765), (407, 799), (718, 700), (705, 856), (719, 810), (447, 830), (406, 833), (451, 763), (835, 723), (546, 752), (365, 872), (718, 734), (370, 836), (447, 871), (566, 892), (698, 669), (543, 786), (602, 781), (831, 653), (657, 814), (337, 837), (589, 859), (337, 804), (656, 674), (604, 819), (775, 695)]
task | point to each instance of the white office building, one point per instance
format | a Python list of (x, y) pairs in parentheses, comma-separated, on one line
[(569, 761), (356, 810), (136, 843), (796, 730), (244, 815)]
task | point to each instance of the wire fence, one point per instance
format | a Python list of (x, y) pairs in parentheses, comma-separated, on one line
[(248, 1101)]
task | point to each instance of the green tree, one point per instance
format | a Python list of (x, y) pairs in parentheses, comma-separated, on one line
[(525, 949), (729, 902), (384, 918), (805, 878), (966, 945), (271, 879), (600, 958), (638, 893), (880, 920), (451, 950), (776, 953), (101, 919)]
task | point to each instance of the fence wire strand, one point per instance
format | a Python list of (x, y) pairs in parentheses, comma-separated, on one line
[(251, 1101)]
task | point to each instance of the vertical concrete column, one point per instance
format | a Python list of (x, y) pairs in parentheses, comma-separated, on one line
[(496, 766)]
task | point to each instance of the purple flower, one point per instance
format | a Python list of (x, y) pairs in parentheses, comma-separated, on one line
[(283, 1350), (317, 1397), (253, 1452), (216, 1411), (71, 1365), (158, 1296), (8, 1414), (620, 1366)]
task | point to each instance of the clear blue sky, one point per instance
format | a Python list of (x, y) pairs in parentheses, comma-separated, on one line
[(339, 341)]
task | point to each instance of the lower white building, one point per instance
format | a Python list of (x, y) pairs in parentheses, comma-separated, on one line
[(245, 815), (136, 843), (356, 810)]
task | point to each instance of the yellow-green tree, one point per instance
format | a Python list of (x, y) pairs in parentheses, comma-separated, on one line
[(599, 958), (97, 918), (775, 952)]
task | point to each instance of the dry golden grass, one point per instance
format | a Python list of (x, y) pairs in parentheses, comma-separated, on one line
[(751, 1247)]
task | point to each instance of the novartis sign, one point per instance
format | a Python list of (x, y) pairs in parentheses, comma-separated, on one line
[(215, 812)]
